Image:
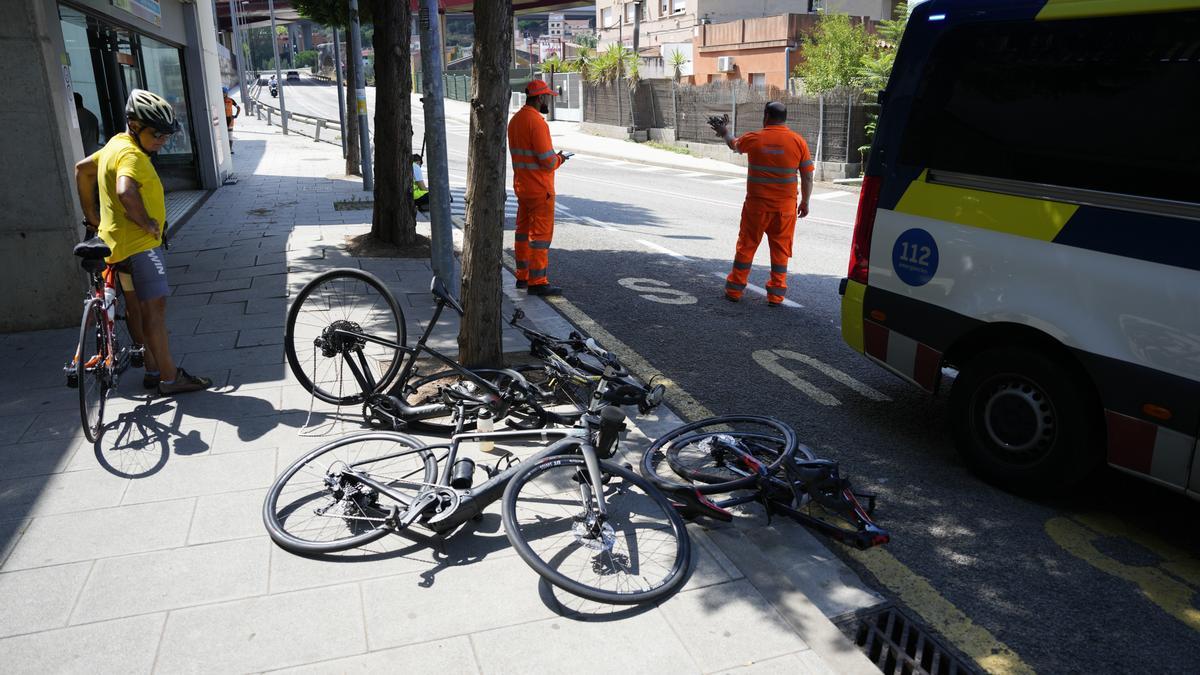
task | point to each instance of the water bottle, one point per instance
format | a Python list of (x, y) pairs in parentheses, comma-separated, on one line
[(484, 424), (110, 302)]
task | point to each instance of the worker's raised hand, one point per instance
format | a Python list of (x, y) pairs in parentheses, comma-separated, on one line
[(720, 125)]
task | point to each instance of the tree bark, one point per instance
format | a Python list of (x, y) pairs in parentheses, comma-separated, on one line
[(394, 220), (350, 133), (479, 335)]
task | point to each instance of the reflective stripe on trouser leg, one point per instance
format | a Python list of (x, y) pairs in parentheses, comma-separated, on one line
[(750, 234), (521, 240), (541, 232), (780, 230)]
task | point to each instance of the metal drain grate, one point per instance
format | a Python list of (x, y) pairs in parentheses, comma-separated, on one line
[(897, 645)]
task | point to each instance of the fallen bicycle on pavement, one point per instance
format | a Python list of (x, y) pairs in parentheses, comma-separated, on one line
[(755, 459), (587, 525)]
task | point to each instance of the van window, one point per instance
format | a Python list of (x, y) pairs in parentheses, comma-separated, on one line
[(1104, 104)]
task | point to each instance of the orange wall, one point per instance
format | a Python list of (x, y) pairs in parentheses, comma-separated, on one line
[(745, 61)]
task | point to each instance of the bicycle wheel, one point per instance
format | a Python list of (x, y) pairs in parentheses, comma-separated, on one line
[(703, 452), (318, 506), (344, 325), (92, 368), (638, 553)]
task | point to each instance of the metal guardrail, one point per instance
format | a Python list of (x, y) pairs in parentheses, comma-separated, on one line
[(272, 113)]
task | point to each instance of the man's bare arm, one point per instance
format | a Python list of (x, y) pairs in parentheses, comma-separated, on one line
[(86, 174), (130, 194), (806, 188)]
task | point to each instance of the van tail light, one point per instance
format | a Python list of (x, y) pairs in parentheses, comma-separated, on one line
[(864, 226)]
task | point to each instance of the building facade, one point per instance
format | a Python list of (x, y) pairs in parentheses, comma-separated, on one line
[(100, 50)]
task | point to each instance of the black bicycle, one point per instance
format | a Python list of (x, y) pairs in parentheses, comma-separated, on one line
[(345, 342), (756, 459), (587, 525)]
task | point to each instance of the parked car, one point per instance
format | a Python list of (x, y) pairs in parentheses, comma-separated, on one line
[(292, 75)]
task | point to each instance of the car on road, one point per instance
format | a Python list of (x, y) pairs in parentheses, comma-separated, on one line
[(1007, 230), (292, 75)]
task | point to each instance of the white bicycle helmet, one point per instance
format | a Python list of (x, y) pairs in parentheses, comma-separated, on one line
[(152, 110)]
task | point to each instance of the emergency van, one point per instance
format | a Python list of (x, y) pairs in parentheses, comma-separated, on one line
[(1029, 228)]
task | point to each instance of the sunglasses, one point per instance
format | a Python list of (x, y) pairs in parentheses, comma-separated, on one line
[(158, 135)]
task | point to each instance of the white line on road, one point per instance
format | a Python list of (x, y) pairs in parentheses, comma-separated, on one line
[(662, 249), (730, 181), (833, 194), (763, 292), (692, 174), (599, 223)]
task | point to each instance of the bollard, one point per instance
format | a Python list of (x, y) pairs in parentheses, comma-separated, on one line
[(268, 117), (317, 133)]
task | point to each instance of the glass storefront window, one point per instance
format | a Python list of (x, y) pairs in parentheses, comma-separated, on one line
[(164, 76)]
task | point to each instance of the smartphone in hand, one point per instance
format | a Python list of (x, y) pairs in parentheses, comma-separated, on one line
[(567, 155)]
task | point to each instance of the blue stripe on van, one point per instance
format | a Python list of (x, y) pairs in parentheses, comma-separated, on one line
[(1153, 238)]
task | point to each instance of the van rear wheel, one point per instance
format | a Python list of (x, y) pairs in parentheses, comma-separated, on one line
[(1025, 422)]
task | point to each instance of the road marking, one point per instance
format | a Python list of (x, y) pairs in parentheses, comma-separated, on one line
[(920, 596), (599, 223), (648, 167), (1165, 584), (654, 290), (759, 290), (730, 181), (692, 174), (833, 194), (770, 359), (662, 249)]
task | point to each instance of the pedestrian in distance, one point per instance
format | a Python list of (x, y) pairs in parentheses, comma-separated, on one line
[(130, 215), (89, 126), (534, 162), (230, 115), (778, 163), (420, 189)]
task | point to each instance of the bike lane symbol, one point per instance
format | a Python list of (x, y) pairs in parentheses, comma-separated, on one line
[(658, 291)]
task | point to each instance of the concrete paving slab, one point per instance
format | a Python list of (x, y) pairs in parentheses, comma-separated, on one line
[(253, 270), (227, 516), (181, 289), (37, 458), (730, 625), (806, 662), (59, 493), (12, 427), (233, 358), (40, 599), (204, 475), (266, 632), (101, 533), (124, 646), (453, 655), (633, 643), (412, 608), (181, 577)]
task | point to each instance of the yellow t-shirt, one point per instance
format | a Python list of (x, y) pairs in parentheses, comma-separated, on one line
[(121, 156)]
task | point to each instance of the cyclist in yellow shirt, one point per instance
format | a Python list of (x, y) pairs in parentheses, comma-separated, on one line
[(130, 217)]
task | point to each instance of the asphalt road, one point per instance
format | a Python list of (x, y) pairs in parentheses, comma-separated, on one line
[(1104, 580)]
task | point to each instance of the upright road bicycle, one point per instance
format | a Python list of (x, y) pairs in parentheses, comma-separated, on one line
[(104, 350), (587, 525)]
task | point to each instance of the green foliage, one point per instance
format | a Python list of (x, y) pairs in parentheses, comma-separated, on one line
[(834, 54), (306, 58), (677, 60), (876, 66), (582, 62), (588, 40), (555, 64), (613, 63)]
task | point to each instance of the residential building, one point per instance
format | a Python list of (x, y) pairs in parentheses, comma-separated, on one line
[(556, 26), (674, 21), (99, 49)]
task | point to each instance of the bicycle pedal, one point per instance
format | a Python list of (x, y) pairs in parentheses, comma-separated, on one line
[(73, 380)]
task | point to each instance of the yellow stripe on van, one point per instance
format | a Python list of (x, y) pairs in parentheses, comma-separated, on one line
[(852, 315), (1077, 9), (1025, 217)]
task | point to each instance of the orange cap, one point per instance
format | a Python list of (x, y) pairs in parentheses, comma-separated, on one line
[(537, 88)]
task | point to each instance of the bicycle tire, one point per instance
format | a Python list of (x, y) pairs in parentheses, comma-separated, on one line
[(359, 522), (656, 463), (714, 467), (93, 382), (304, 332), (573, 546)]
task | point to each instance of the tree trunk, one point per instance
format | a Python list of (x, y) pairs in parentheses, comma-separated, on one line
[(479, 342), (350, 133), (394, 221)]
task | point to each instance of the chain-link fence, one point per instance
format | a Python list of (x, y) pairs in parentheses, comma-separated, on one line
[(832, 123)]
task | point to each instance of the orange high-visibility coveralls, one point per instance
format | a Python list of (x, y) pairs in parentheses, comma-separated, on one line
[(534, 163), (775, 155)]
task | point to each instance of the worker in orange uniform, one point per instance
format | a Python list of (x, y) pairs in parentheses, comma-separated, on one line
[(534, 163), (778, 160)]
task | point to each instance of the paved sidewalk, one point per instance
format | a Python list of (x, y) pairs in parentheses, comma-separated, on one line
[(146, 551)]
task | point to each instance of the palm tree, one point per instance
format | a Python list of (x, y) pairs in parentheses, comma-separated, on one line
[(677, 60)]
